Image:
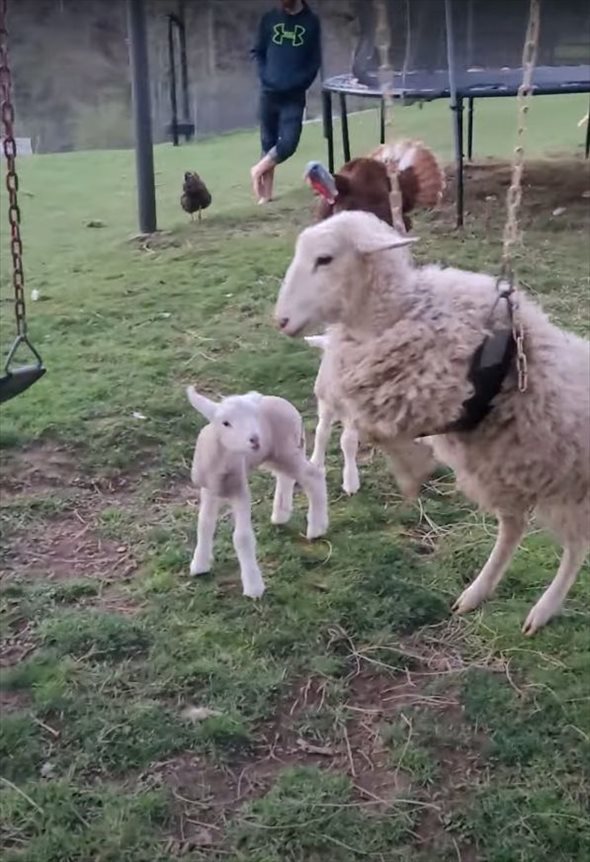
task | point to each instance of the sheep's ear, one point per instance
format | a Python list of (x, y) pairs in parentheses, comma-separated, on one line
[(380, 238), (202, 405), (320, 341)]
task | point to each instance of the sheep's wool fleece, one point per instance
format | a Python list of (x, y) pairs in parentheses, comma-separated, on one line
[(410, 378)]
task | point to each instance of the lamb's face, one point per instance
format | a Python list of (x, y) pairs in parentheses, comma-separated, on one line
[(329, 272), (238, 424)]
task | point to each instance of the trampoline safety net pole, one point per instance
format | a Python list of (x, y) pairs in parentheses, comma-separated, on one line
[(456, 108), (140, 87)]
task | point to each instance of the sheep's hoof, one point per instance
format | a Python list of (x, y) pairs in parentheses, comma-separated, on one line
[(537, 618), (280, 517), (469, 600), (316, 531)]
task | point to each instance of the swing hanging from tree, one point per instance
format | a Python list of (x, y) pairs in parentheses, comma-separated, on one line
[(14, 379)]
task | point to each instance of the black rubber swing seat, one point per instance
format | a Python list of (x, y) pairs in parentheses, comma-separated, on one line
[(15, 381)]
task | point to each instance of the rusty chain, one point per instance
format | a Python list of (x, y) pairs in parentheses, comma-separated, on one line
[(514, 195), (386, 81), (9, 147)]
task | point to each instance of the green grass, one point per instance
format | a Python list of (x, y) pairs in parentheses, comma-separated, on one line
[(350, 717)]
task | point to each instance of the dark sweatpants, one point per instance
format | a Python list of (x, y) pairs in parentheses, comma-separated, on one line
[(281, 118)]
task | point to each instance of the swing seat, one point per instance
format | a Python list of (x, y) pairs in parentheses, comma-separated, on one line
[(14, 382)]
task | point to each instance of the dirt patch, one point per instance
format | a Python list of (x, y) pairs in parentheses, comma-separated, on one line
[(17, 644), (13, 701), (67, 547)]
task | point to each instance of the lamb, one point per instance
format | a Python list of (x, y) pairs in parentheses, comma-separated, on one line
[(330, 410), (405, 342), (246, 432)]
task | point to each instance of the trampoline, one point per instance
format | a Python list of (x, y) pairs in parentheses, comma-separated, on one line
[(460, 50)]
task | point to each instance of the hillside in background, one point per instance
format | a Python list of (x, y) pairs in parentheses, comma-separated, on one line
[(71, 73)]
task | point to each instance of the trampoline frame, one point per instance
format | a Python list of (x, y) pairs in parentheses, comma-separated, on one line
[(459, 93)]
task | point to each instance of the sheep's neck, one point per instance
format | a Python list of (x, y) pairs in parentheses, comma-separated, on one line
[(387, 301)]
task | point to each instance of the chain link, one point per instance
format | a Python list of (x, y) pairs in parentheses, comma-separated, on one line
[(514, 195), (9, 147), (386, 81)]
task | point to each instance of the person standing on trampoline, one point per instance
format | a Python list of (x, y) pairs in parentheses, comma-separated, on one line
[(288, 54)]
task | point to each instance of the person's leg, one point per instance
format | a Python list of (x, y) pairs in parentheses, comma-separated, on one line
[(269, 133), (290, 122)]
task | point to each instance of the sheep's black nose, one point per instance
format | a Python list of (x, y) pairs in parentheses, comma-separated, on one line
[(255, 441), (283, 322)]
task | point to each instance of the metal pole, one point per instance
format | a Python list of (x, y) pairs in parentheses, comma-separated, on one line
[(172, 74), (328, 127), (456, 107), (183, 63), (344, 123), (140, 86)]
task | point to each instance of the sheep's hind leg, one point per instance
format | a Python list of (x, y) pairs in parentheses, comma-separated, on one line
[(553, 597), (510, 532), (349, 443), (282, 506), (208, 514), (245, 547), (322, 435)]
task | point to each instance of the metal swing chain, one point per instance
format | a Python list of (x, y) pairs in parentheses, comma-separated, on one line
[(9, 147), (514, 194)]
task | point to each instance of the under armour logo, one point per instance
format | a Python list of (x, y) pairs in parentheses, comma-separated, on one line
[(295, 36)]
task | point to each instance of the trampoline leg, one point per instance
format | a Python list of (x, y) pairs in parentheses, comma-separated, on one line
[(587, 149), (458, 111), (382, 121), (344, 120), (328, 127), (470, 131)]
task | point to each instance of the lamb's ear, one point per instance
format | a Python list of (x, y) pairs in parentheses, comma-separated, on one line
[(320, 341), (380, 237), (202, 405)]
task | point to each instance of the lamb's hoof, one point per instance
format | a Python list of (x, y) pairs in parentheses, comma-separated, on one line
[(316, 531), (255, 590), (199, 567), (351, 485), (469, 600), (281, 517), (537, 618), (410, 489)]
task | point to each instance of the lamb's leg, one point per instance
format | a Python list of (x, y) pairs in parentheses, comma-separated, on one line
[(322, 434), (208, 513), (349, 443), (552, 599), (282, 506), (412, 463), (510, 532), (245, 546), (313, 481)]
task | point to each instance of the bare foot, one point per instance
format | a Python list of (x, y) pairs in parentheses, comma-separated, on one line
[(256, 182)]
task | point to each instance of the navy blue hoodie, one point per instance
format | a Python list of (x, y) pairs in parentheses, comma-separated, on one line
[(288, 50)]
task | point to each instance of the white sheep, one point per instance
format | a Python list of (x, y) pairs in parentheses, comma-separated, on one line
[(330, 410), (405, 343), (246, 432)]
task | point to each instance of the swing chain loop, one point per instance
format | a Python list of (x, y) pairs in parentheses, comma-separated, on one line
[(514, 194), (9, 147)]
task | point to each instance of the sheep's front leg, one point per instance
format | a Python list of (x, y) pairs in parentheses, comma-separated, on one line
[(510, 532), (283, 500), (412, 463), (208, 514), (313, 481), (245, 546), (322, 434), (349, 443), (552, 599)]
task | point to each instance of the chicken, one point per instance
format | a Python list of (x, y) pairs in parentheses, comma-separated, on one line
[(195, 194), (396, 179)]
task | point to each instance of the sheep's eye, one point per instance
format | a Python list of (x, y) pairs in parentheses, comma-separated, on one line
[(226, 423), (324, 260)]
